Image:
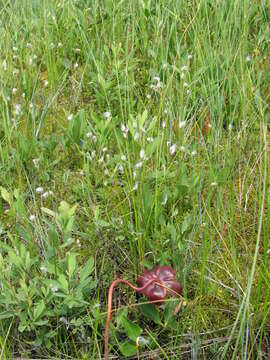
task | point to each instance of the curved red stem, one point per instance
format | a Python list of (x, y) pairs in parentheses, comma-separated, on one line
[(113, 284)]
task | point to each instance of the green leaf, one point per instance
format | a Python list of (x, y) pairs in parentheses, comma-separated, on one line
[(128, 348), (186, 223), (122, 312), (151, 313), (6, 195), (41, 322), (72, 263), (87, 269), (152, 147), (67, 243), (53, 236), (14, 258), (132, 330), (63, 282), (103, 223), (77, 127), (142, 118), (48, 211), (38, 310), (6, 315)]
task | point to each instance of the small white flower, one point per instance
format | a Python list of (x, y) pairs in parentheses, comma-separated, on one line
[(181, 124), (121, 168), (214, 184), (168, 143), (193, 153), (17, 109), (125, 130), (63, 320), (248, 58), (59, 44), (189, 57), (185, 84), (123, 158), (23, 95), (141, 341), (54, 289), (143, 129), (107, 114), (184, 68), (134, 175), (139, 165), (163, 124), (36, 162), (32, 217), (43, 269), (81, 172), (182, 75), (142, 154), (77, 50), (39, 190), (52, 45), (14, 90), (89, 134), (34, 56), (30, 61), (5, 65), (149, 139), (164, 66), (46, 83), (135, 187), (157, 78), (104, 149), (148, 96), (31, 105), (93, 154), (136, 136), (70, 117), (29, 45), (15, 48), (164, 202), (188, 92), (76, 65), (165, 111), (230, 127), (106, 172), (173, 149), (182, 148), (45, 195), (268, 251), (94, 138)]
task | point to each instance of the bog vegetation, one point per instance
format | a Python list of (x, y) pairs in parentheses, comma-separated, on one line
[(133, 134)]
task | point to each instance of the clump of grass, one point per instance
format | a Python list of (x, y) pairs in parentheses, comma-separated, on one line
[(150, 120)]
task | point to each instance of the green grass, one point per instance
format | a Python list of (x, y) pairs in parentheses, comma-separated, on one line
[(93, 92)]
